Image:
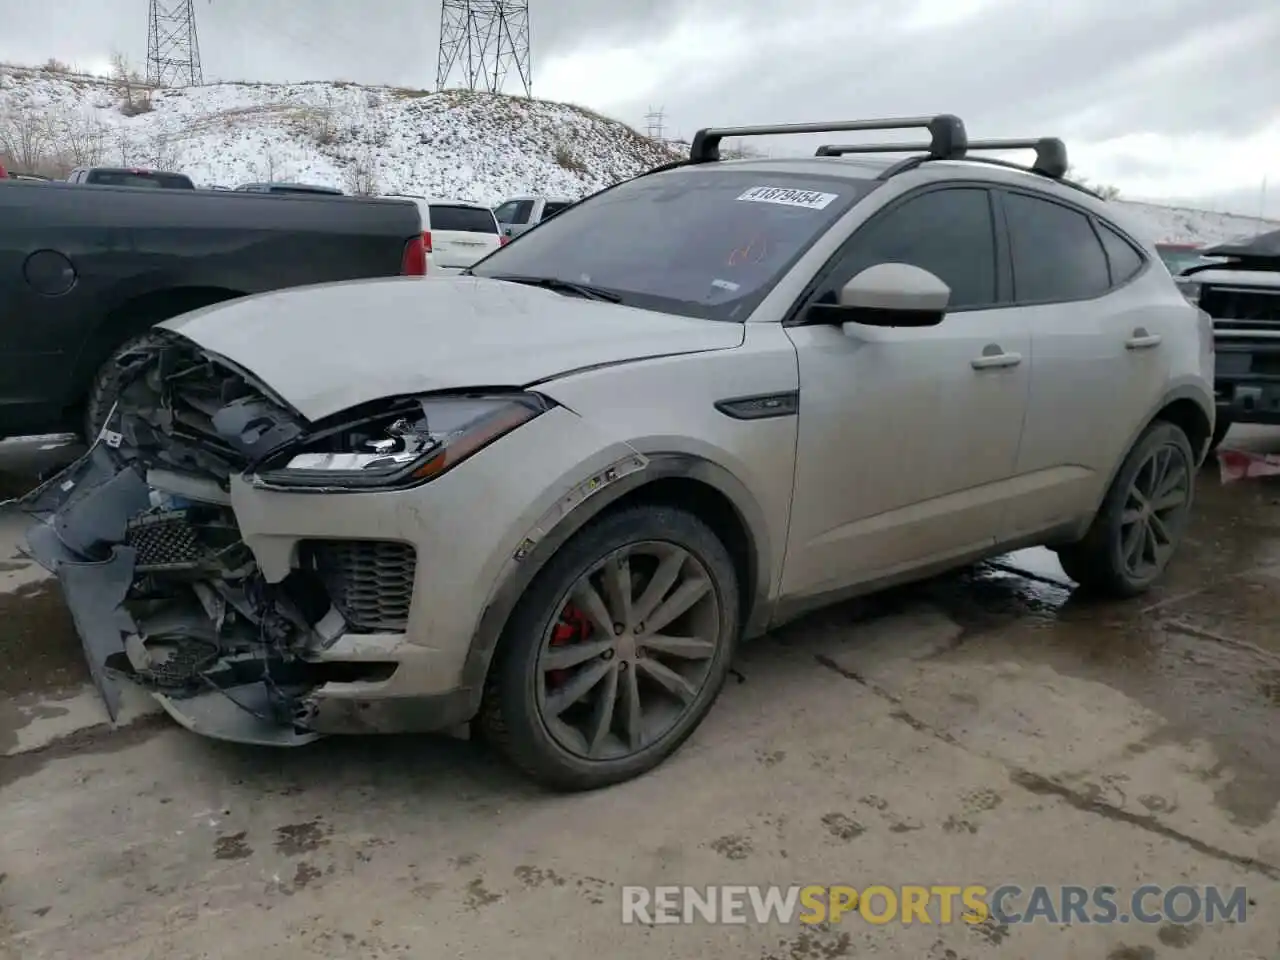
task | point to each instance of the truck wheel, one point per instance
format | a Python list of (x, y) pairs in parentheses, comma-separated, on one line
[(1221, 425), (1141, 520), (616, 652), (105, 387)]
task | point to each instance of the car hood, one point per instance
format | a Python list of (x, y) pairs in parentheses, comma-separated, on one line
[(326, 348)]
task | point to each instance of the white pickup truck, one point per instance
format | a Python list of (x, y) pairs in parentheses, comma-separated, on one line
[(518, 214)]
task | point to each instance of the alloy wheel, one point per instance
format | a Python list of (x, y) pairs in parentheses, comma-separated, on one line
[(629, 652), (1154, 510)]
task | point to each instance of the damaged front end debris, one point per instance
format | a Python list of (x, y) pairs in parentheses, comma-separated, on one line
[(163, 591)]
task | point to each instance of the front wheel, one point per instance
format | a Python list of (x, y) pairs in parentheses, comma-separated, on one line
[(617, 650), (105, 387), (1142, 518)]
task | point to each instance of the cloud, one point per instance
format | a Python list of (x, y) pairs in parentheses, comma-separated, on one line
[(1168, 98)]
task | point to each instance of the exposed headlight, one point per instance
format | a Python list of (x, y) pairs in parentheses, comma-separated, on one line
[(412, 443)]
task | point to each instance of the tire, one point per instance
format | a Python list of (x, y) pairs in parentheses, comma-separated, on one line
[(105, 386), (513, 715), (1097, 561), (1221, 425)]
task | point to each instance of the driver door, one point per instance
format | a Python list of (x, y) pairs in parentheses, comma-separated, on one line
[(908, 437)]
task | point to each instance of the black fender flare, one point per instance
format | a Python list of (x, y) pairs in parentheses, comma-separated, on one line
[(525, 565)]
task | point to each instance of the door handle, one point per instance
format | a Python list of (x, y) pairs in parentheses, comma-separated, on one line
[(993, 361), (1141, 340)]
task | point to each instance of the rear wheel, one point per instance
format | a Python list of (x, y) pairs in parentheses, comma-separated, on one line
[(616, 652), (1142, 519)]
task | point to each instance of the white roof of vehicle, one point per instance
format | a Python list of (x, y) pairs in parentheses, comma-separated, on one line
[(439, 201), (536, 196)]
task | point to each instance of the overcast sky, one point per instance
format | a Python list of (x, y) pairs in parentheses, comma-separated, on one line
[(1174, 100)]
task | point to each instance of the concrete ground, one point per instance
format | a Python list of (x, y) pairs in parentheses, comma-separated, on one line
[(984, 728)]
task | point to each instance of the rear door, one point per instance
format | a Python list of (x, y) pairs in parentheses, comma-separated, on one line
[(462, 234), (1098, 347)]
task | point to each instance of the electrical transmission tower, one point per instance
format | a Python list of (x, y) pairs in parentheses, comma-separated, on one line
[(481, 41), (173, 50), (656, 129)]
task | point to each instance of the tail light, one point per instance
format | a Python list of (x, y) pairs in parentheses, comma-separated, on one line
[(503, 239), (426, 240), (414, 261)]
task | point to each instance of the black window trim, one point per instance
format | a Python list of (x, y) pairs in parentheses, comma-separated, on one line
[(1001, 189), (794, 317)]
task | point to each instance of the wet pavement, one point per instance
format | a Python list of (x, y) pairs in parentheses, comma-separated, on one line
[(984, 727)]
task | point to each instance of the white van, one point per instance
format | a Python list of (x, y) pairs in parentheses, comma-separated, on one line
[(456, 233)]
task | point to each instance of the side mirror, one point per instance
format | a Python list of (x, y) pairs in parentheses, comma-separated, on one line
[(888, 295)]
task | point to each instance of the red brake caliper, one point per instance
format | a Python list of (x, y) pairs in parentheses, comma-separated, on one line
[(573, 627)]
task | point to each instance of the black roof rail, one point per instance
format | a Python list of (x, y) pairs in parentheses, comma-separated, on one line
[(1051, 154), (1051, 158), (947, 136)]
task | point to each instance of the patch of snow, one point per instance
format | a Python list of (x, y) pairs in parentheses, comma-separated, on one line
[(483, 147)]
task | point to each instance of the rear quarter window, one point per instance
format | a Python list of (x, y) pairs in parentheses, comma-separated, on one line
[(1125, 261), (462, 219)]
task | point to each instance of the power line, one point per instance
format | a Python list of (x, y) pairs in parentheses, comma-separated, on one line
[(482, 41), (173, 48), (655, 127)]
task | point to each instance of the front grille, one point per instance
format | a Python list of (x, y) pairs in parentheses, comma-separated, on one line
[(369, 581), (1241, 307), (164, 539)]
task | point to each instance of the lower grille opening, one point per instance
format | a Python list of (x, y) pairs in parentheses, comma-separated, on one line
[(370, 582)]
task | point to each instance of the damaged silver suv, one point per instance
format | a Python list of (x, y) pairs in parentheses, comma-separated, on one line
[(552, 494)]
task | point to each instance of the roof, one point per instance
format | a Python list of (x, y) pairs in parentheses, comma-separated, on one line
[(437, 201), (538, 196), (864, 167)]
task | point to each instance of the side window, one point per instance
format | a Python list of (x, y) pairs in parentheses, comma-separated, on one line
[(507, 211), (1056, 255), (549, 210), (1125, 261), (947, 232), (524, 210)]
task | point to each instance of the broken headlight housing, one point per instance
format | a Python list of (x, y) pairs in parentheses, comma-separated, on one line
[(407, 443)]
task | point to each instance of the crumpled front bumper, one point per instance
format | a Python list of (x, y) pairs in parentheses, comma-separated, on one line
[(80, 535)]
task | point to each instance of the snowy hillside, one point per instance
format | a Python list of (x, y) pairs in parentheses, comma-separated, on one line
[(362, 139), (1180, 225), (373, 139)]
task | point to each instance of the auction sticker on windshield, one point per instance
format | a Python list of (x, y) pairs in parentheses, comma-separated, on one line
[(789, 197)]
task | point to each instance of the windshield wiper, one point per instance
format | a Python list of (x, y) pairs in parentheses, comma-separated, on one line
[(563, 286)]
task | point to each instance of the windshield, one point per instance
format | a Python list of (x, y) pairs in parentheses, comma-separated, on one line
[(701, 242), (462, 219)]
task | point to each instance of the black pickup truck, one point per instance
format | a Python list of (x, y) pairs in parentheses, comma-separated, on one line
[(1241, 292), (86, 272)]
